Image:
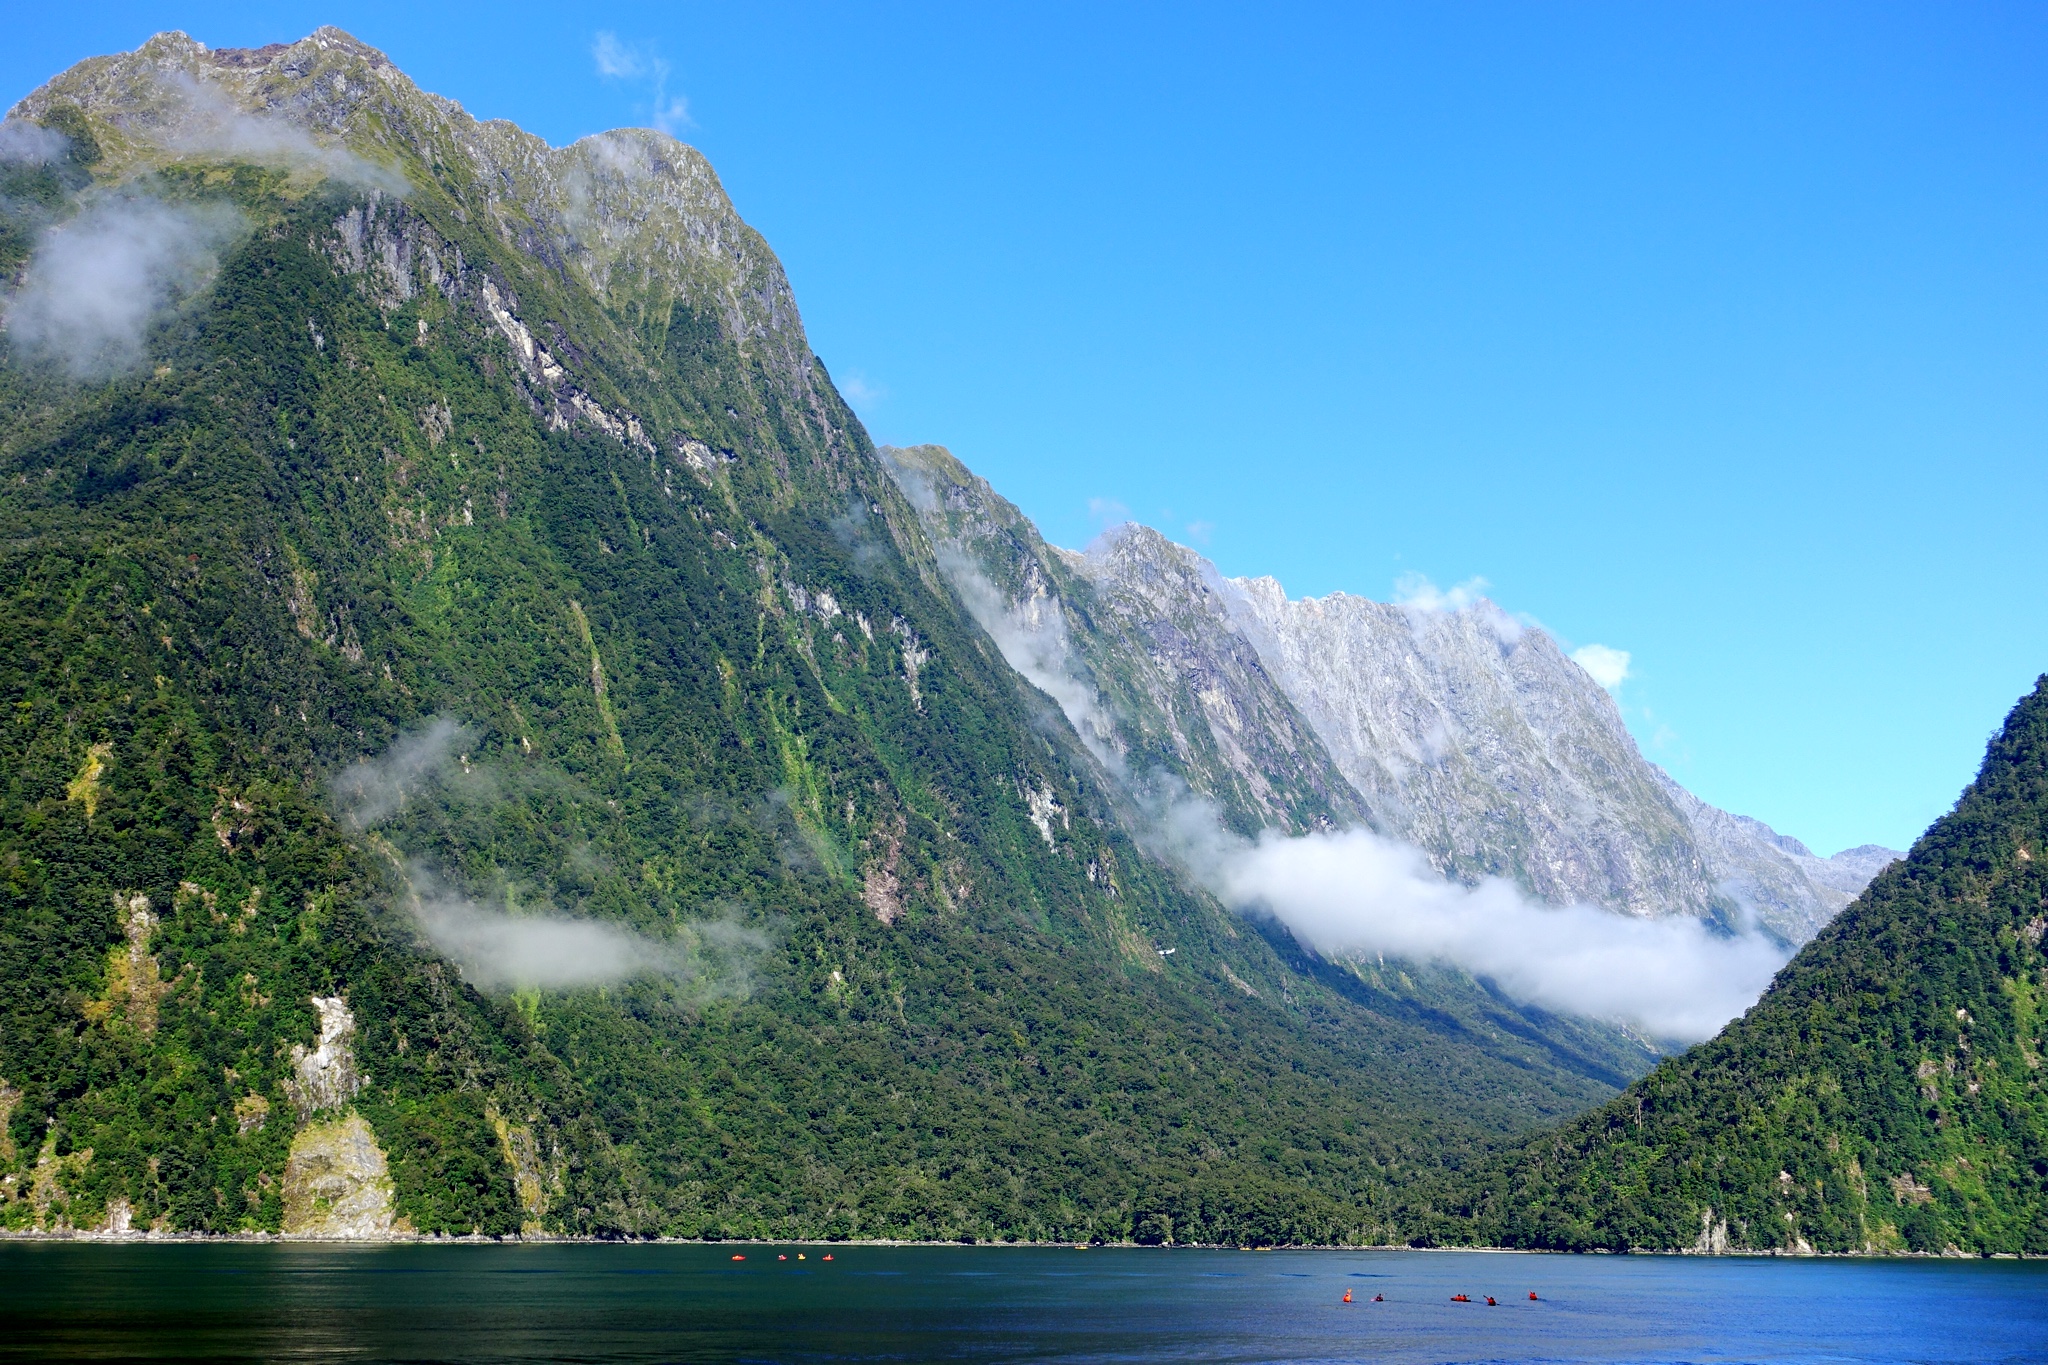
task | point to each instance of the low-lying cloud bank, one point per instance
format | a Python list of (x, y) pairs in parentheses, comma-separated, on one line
[(1353, 893), (498, 949), (708, 959)]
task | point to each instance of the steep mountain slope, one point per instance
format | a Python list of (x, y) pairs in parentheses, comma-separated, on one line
[(1473, 737), (1133, 648), (1462, 732), (491, 746), (1886, 1093)]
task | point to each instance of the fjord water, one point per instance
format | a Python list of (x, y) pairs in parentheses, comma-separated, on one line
[(470, 1303)]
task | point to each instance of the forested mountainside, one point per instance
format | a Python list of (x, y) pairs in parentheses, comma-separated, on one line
[(1885, 1094), (491, 748), (1463, 732)]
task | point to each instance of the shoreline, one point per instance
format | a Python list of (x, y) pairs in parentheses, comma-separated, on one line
[(135, 1238)]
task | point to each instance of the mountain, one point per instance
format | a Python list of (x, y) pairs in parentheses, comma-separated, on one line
[(1461, 731), (492, 748), (1885, 1094)]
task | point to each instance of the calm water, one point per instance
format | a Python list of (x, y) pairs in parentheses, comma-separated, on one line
[(656, 1303)]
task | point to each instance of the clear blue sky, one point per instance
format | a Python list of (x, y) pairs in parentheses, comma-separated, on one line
[(1717, 333)]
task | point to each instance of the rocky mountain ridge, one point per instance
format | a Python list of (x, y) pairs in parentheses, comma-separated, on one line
[(1461, 731)]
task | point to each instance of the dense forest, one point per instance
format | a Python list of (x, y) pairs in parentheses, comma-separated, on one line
[(404, 592), (1886, 1094)]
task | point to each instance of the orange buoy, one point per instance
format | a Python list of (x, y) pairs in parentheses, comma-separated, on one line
[(1347, 1296), (1532, 1296)]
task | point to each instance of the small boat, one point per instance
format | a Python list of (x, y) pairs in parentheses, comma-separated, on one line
[(1490, 1303), (1379, 1298), (1347, 1296), (1461, 1298), (782, 1258), (828, 1255), (739, 1258), (1532, 1296)]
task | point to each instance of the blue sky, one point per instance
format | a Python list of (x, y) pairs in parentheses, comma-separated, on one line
[(1715, 333)]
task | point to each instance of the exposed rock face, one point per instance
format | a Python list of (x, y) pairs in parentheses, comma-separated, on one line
[(135, 984), (1473, 737), (1462, 732), (337, 1185), (326, 1077), (529, 1180), (1136, 644)]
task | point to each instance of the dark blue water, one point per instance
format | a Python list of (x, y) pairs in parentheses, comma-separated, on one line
[(886, 1304)]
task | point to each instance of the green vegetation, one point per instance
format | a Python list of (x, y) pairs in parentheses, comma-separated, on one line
[(1886, 1094), (574, 494), (334, 505)]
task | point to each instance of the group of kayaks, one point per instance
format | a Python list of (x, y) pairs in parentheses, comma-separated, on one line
[(1491, 1302), (828, 1256)]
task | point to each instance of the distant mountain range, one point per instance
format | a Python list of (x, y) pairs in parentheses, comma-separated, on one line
[(1459, 730)]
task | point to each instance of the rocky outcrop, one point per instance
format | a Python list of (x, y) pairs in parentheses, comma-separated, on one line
[(325, 1077), (134, 984), (337, 1185)]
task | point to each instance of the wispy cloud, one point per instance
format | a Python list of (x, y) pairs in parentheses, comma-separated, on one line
[(538, 947), (23, 142), (497, 950), (1032, 637), (1107, 512), (1200, 532), (1415, 592), (207, 122), (1608, 666), (1354, 893), (640, 64), (859, 393), (97, 280), (370, 792)]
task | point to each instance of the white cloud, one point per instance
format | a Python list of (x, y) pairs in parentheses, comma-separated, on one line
[(1415, 592), (497, 950), (30, 143), (616, 61), (1608, 666), (1107, 510), (372, 791), (1200, 531), (859, 393), (621, 61), (209, 123), (95, 281), (1354, 893), (1033, 639)]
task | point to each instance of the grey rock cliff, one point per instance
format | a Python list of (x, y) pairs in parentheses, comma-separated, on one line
[(1463, 732)]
